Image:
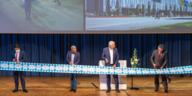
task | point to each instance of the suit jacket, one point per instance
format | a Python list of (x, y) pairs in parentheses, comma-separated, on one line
[(106, 55), (155, 58), (76, 58), (22, 56)]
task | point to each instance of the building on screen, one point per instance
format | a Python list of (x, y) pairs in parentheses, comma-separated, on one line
[(126, 6)]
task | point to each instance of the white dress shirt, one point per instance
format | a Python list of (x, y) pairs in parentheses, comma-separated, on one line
[(111, 55), (72, 58), (159, 53)]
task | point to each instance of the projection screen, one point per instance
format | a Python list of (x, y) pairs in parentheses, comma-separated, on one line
[(95, 16)]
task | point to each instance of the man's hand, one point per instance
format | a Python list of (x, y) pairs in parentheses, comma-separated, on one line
[(106, 60), (154, 65), (161, 67), (114, 66), (18, 61), (70, 63), (13, 60)]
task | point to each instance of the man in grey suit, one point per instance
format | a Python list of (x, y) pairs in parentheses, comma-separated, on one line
[(111, 56), (159, 59), (73, 58)]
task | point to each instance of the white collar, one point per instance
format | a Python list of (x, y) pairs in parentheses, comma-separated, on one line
[(110, 49), (18, 51)]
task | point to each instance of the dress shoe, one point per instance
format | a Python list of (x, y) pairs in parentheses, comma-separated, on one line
[(169, 79), (15, 90), (166, 91), (118, 91), (108, 91), (156, 90), (74, 90), (71, 89), (24, 90)]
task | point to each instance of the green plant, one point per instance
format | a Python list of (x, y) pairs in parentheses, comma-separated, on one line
[(149, 8), (143, 9), (108, 8), (131, 12), (154, 8), (113, 12), (117, 7), (166, 9), (178, 11), (134, 59), (137, 9)]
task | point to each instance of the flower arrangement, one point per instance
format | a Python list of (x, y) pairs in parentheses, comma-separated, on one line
[(135, 59)]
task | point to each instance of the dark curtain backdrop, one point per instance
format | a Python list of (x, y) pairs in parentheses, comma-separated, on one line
[(53, 48)]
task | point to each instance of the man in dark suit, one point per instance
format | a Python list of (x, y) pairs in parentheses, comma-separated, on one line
[(28, 9), (159, 59), (111, 56), (19, 56), (73, 58)]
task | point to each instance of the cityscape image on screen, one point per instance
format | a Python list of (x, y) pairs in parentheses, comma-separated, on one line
[(139, 15)]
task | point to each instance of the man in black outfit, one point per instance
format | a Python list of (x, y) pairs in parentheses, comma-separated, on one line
[(28, 9)]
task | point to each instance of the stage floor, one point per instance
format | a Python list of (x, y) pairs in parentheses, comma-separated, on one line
[(60, 86)]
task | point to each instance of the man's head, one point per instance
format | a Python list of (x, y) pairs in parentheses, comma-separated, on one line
[(16, 47), (161, 48), (73, 49), (111, 44)]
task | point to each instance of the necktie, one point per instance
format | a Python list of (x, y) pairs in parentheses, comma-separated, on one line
[(16, 56), (159, 57)]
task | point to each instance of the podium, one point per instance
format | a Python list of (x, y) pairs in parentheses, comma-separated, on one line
[(122, 78)]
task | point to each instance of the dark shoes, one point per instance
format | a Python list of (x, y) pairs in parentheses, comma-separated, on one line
[(74, 90), (166, 91), (156, 90), (24, 90), (169, 79), (118, 91), (108, 91), (15, 90), (71, 89)]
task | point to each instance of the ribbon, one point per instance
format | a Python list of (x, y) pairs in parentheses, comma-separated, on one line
[(84, 69)]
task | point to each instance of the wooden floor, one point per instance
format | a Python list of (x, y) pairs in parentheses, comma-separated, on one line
[(60, 86)]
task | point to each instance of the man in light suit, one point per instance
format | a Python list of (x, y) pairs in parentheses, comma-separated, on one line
[(111, 56), (18, 56), (159, 59), (73, 58)]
